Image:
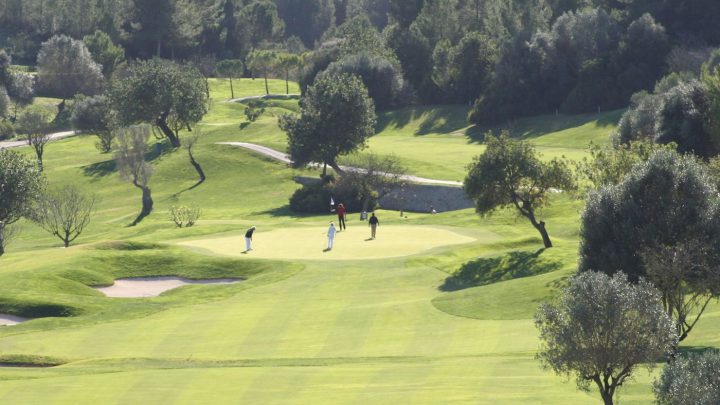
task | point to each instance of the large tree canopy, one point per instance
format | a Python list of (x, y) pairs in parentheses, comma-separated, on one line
[(510, 173), (20, 185), (665, 201), (65, 68), (337, 117), (161, 93)]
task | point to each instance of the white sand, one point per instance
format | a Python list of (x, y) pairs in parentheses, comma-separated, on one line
[(152, 286), (7, 320)]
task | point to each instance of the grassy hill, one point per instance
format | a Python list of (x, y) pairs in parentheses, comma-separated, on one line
[(440, 311)]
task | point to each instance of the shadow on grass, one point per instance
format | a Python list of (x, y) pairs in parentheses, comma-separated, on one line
[(509, 266), (533, 127), (101, 169), (283, 212), (695, 350)]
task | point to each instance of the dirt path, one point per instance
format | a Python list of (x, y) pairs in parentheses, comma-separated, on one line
[(285, 158), (53, 137)]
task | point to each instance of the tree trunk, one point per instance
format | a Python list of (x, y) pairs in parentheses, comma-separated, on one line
[(232, 90), (336, 167), (147, 204), (324, 170), (2, 238), (162, 124), (287, 83), (39, 160), (540, 226), (197, 167), (267, 88)]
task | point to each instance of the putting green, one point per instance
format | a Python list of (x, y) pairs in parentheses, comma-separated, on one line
[(308, 243)]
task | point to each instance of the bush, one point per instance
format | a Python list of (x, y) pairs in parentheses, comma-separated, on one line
[(184, 216), (315, 198), (254, 110), (691, 380), (7, 130)]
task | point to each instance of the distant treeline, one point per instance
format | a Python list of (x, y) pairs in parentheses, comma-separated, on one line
[(508, 58)]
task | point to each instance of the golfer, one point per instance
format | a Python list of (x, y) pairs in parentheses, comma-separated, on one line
[(331, 236), (341, 216), (248, 239), (374, 222)]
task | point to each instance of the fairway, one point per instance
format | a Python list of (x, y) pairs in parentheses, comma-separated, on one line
[(308, 243)]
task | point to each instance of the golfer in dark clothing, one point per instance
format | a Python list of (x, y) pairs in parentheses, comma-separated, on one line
[(248, 239), (341, 216), (374, 222)]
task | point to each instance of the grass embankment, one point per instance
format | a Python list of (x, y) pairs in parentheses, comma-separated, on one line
[(450, 324)]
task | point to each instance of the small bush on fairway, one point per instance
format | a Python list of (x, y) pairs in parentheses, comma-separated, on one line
[(184, 216), (254, 110)]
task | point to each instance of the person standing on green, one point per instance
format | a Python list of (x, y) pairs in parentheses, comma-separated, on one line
[(374, 222)]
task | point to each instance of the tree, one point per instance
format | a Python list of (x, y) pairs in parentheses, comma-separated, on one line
[(262, 62), (690, 380), (104, 51), (35, 123), (65, 68), (130, 157), (20, 185), (161, 93), (376, 176), (287, 63), (336, 118), (687, 277), (663, 202), (231, 68), (307, 19), (510, 173), (21, 91), (602, 329), (259, 24), (95, 115), (382, 79), (64, 213)]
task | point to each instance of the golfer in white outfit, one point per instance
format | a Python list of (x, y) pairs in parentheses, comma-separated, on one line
[(248, 239), (331, 235)]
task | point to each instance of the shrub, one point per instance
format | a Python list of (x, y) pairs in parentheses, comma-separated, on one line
[(254, 110), (315, 198), (7, 130), (691, 380), (184, 216)]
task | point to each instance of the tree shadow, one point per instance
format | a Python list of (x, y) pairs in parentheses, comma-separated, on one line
[(100, 169), (695, 350), (443, 121), (484, 271), (533, 127), (284, 212)]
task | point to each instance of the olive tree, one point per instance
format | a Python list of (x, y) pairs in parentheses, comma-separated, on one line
[(95, 115), (20, 185), (130, 150), (64, 213), (602, 329), (336, 118), (690, 380), (662, 223), (35, 123), (375, 176), (510, 173), (161, 93), (65, 68)]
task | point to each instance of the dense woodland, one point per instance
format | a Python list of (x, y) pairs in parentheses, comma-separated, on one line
[(507, 58)]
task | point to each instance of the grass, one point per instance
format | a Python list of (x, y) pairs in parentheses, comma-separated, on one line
[(438, 309)]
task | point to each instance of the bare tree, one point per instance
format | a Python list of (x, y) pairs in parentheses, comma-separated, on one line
[(64, 213), (686, 279), (7, 234), (190, 144), (130, 157), (376, 175), (35, 123)]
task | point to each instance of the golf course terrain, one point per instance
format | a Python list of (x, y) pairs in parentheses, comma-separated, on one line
[(437, 309)]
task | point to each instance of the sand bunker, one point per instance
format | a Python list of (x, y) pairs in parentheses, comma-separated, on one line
[(153, 286), (8, 320), (308, 243)]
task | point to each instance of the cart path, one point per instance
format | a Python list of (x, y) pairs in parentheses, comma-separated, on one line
[(53, 137), (285, 158)]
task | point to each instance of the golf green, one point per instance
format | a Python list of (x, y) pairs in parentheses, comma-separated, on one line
[(354, 243)]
